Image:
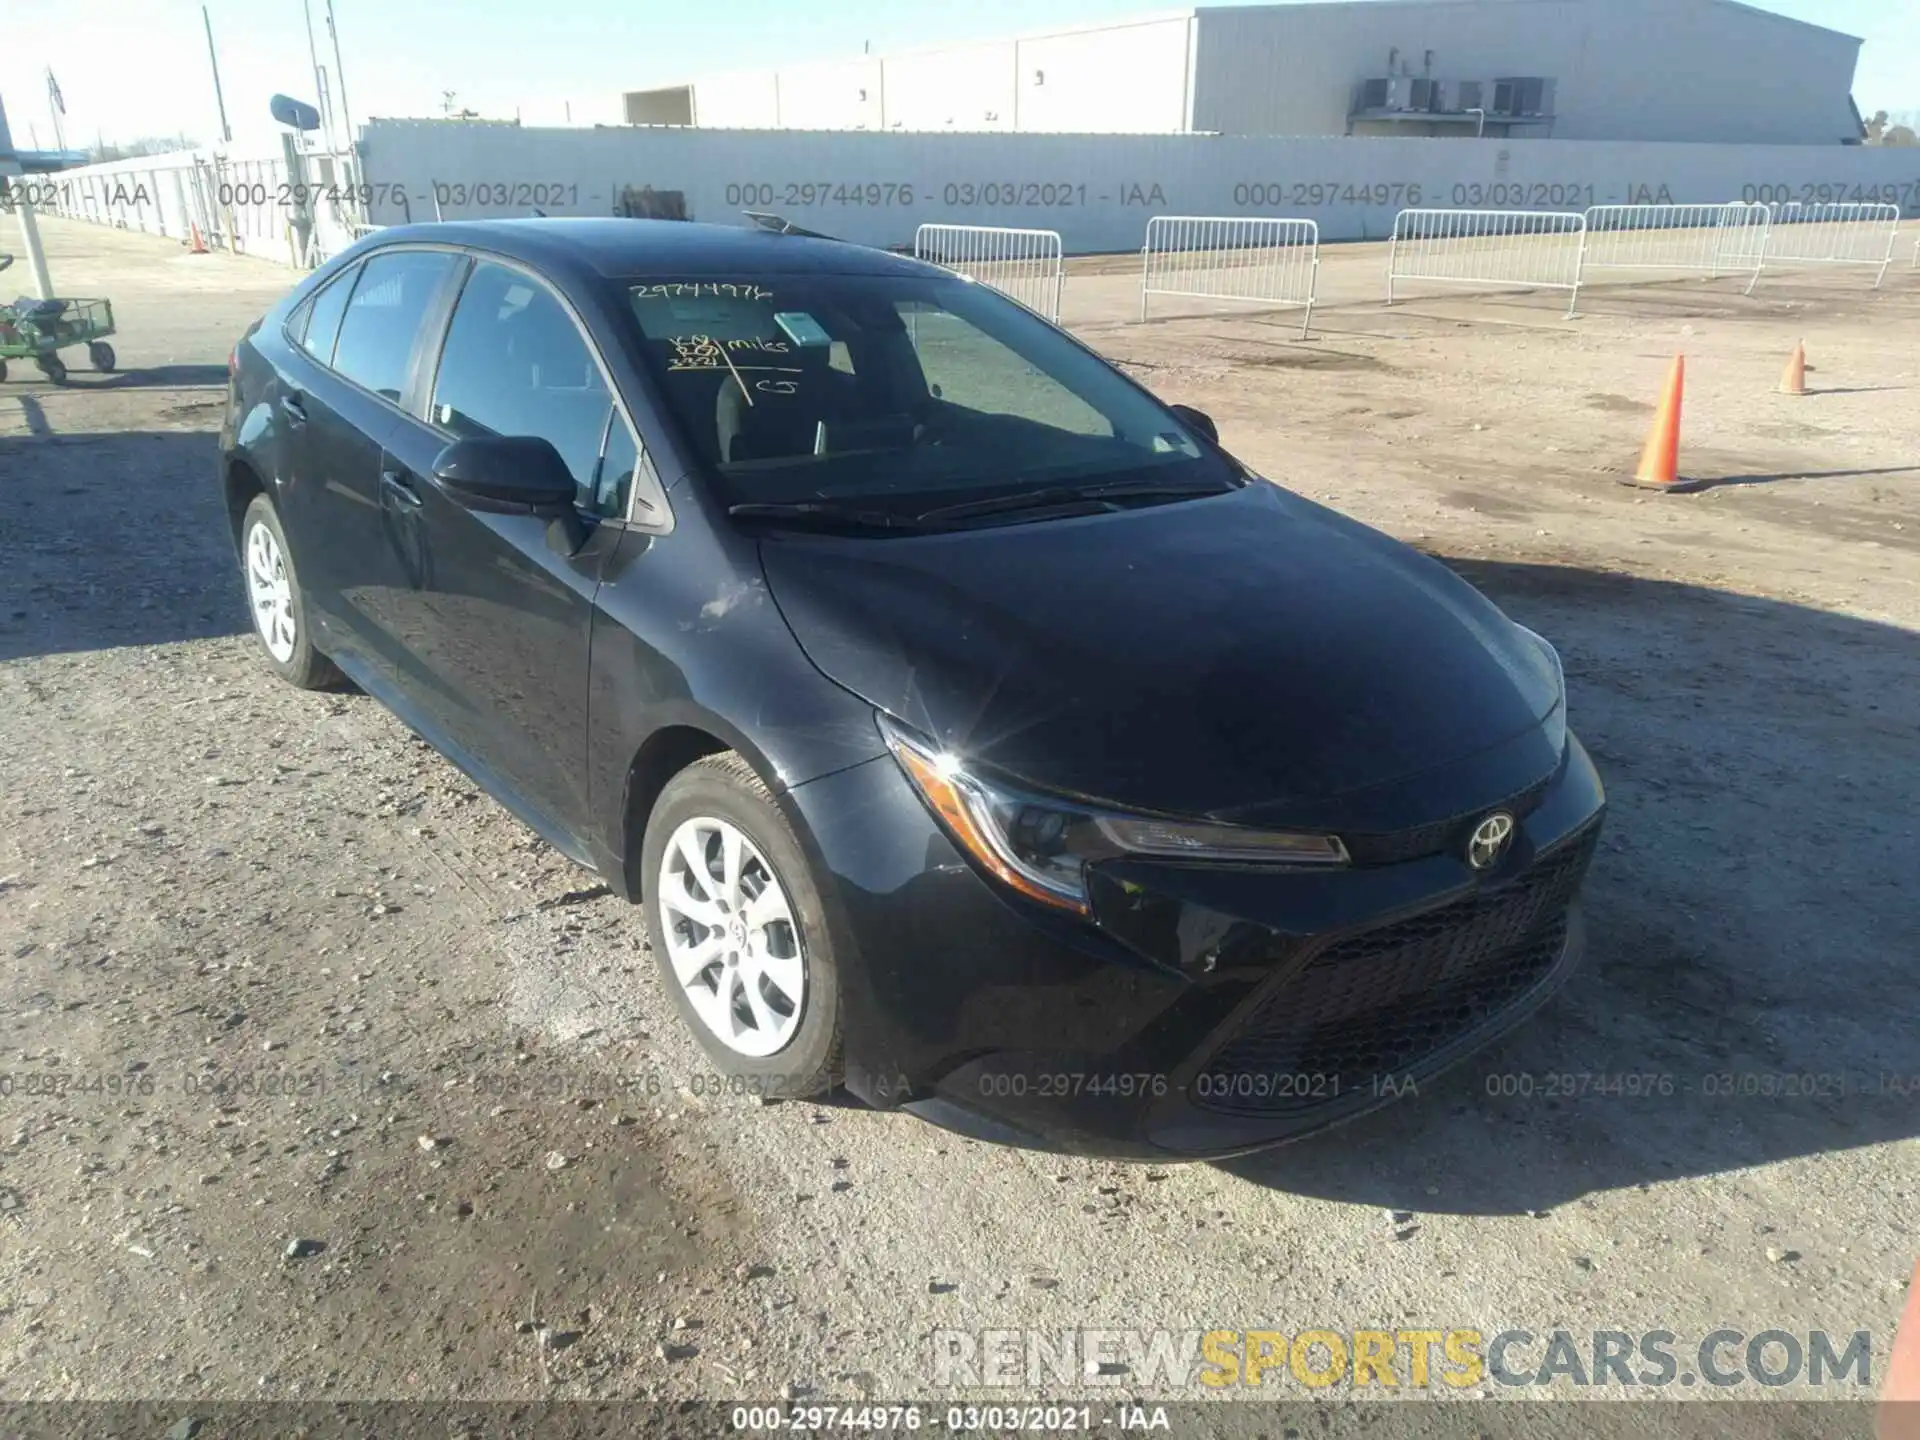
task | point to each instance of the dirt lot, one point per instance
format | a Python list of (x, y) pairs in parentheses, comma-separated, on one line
[(280, 977)]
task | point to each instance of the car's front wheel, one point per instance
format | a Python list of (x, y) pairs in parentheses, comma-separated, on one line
[(273, 597), (739, 932)]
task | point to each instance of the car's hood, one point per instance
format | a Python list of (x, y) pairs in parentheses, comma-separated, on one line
[(1243, 656)]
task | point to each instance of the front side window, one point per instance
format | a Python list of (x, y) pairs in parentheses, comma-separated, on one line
[(382, 319), (900, 391), (516, 364)]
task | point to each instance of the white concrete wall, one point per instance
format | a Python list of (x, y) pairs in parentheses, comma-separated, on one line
[(748, 99), (1098, 191), (966, 87), (1697, 70), (1126, 79), (1129, 78), (832, 95)]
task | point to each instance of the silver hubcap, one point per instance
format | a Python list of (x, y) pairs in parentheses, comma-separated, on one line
[(731, 937), (271, 592)]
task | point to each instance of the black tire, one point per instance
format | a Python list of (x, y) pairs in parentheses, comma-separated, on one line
[(3, 372), (102, 356), (306, 668), (53, 367), (725, 787)]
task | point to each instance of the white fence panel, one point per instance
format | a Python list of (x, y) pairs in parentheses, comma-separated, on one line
[(1834, 234), (1261, 261), (247, 204), (1524, 249), (1711, 240), (1025, 265)]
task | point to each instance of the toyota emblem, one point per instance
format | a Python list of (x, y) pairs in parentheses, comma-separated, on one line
[(1490, 840)]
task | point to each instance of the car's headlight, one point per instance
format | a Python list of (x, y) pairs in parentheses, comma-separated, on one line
[(1556, 720), (1041, 846)]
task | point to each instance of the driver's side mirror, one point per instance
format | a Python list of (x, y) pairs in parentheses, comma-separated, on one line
[(1197, 420), (515, 475), (506, 475)]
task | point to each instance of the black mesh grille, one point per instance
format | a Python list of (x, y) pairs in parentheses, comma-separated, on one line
[(1377, 1004), (1441, 837)]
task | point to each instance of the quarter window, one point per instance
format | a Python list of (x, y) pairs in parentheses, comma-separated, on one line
[(516, 364), (323, 316), (383, 317)]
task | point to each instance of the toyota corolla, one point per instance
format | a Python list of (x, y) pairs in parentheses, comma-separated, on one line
[(975, 731)]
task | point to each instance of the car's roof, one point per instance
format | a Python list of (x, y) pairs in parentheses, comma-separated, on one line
[(617, 248)]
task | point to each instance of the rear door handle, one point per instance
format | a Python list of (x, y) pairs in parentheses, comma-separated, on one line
[(394, 487), (296, 412)]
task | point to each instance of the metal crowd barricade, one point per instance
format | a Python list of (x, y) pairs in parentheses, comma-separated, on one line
[(1025, 265), (1712, 240), (1841, 233), (1498, 249), (1261, 261)]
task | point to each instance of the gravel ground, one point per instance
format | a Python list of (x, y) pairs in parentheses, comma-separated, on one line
[(324, 1078)]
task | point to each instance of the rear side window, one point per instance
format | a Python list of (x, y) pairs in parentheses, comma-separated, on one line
[(383, 317), (516, 364), (322, 323)]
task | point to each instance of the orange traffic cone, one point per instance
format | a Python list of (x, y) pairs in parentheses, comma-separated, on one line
[(1660, 461), (1900, 1400), (199, 245), (1794, 381)]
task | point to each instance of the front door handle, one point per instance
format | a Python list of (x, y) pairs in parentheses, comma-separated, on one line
[(395, 489)]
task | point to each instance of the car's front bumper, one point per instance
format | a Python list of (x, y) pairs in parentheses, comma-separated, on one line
[(1207, 1010)]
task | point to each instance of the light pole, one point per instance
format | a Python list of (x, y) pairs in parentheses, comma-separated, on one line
[(219, 96), (29, 231)]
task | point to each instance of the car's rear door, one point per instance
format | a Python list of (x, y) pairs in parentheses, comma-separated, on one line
[(501, 613), (363, 367), (331, 434)]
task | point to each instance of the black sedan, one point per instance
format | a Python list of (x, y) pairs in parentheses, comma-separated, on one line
[(977, 733)]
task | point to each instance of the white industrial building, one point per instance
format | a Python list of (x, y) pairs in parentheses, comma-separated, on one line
[(1662, 70)]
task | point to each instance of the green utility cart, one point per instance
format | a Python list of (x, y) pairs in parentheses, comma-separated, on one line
[(39, 329)]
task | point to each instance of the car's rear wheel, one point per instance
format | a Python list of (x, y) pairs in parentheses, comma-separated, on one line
[(739, 932), (274, 599)]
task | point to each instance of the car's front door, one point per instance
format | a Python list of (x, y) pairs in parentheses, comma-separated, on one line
[(501, 614)]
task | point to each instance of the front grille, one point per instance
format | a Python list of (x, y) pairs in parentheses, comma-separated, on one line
[(1442, 836), (1376, 1005)]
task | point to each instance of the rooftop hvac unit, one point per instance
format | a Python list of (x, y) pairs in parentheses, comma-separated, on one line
[(1522, 95), (1408, 93)]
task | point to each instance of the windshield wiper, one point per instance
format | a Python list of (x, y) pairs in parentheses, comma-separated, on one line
[(822, 515), (1051, 495)]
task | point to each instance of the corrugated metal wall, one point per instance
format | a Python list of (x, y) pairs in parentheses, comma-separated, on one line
[(1098, 191), (1694, 70)]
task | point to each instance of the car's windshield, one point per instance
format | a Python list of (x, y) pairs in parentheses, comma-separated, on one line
[(897, 393)]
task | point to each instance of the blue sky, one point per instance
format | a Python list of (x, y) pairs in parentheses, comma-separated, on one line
[(139, 67)]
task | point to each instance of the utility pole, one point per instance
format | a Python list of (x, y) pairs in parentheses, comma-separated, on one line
[(226, 131), (340, 79), (29, 232), (319, 77), (57, 103)]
